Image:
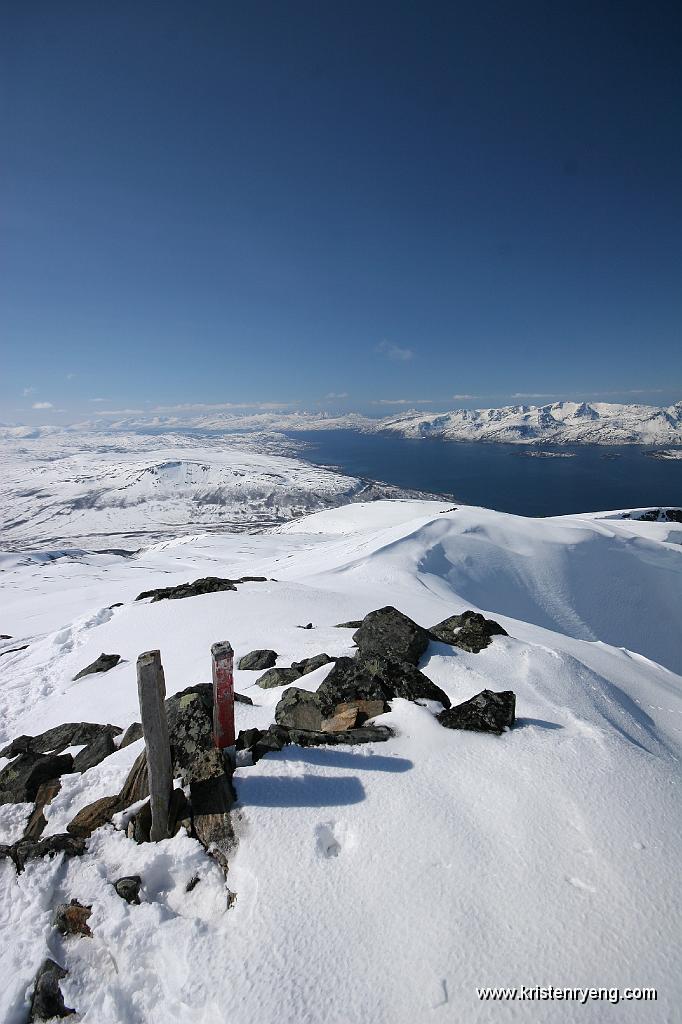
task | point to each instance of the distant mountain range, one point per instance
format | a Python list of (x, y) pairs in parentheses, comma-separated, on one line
[(558, 423)]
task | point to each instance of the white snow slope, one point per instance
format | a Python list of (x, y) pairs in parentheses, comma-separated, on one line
[(377, 884)]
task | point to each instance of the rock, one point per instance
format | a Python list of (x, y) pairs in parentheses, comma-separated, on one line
[(486, 712), (310, 664), (247, 738), (190, 727), (353, 624), (193, 883), (299, 709), (403, 680), (366, 734), (278, 677), (179, 813), (92, 817), (47, 791), (21, 779), (94, 753), (72, 919), (71, 734), (469, 631), (240, 698), (47, 1001), (207, 585), (211, 802), (128, 888), (350, 681), (268, 742), (258, 660), (308, 625), (136, 786), (104, 663), (28, 849), (388, 633), (657, 515), (139, 826), (132, 734), (351, 716)]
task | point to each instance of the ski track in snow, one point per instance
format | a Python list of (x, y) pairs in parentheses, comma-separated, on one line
[(380, 883)]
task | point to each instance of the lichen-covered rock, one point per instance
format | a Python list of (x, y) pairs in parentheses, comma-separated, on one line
[(132, 734), (278, 677), (21, 778), (366, 734), (299, 709), (47, 1001), (104, 663), (190, 727), (387, 633), (258, 660), (72, 919), (350, 680), (469, 631), (401, 679), (310, 664), (71, 734), (28, 849), (486, 712)]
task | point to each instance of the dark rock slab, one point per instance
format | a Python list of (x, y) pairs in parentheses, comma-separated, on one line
[(28, 849), (387, 633), (212, 800), (72, 919), (469, 631), (92, 817), (128, 888), (258, 660), (240, 698), (401, 679), (21, 779), (132, 734), (139, 825), (366, 734), (71, 734), (351, 680), (47, 1001), (486, 712), (104, 663), (190, 727), (299, 709), (136, 785), (94, 753), (278, 677), (207, 585), (353, 624), (247, 738), (310, 664)]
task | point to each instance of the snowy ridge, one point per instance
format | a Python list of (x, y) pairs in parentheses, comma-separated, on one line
[(557, 423), (379, 883)]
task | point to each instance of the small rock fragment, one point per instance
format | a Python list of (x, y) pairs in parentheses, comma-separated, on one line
[(47, 1001), (104, 663), (128, 888), (486, 712), (72, 918), (258, 660)]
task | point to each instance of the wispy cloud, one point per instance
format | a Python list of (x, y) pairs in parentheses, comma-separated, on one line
[(70, 376), (395, 352), (466, 398), (97, 401), (28, 391), (337, 394), (42, 405)]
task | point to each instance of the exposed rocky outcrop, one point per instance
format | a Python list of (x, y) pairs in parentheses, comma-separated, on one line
[(104, 663), (387, 633), (93, 816), (469, 631), (47, 1001), (71, 734), (657, 515), (486, 712), (258, 660), (21, 779), (207, 585), (29, 849)]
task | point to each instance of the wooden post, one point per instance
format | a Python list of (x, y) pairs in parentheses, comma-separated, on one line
[(223, 697), (151, 689)]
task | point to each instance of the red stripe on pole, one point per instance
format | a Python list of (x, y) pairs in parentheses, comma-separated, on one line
[(223, 695)]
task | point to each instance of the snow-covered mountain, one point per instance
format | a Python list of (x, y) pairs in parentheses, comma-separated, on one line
[(558, 423), (124, 489), (386, 882)]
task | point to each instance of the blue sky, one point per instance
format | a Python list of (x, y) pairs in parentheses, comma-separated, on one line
[(287, 202)]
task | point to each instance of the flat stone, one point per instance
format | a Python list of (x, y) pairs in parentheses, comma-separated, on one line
[(92, 817), (366, 734), (278, 677), (486, 712), (353, 624), (310, 664), (469, 631), (388, 633), (299, 709), (258, 660), (94, 753), (352, 715), (47, 1001), (207, 585), (104, 663), (71, 734)]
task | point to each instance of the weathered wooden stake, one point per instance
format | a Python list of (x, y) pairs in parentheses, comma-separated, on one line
[(151, 689), (223, 696)]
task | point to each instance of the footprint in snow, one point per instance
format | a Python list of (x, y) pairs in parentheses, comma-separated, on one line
[(327, 844)]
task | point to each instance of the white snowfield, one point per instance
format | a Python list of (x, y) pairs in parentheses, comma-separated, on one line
[(385, 883), (562, 422)]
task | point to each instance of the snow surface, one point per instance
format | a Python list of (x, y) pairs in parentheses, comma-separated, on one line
[(380, 883)]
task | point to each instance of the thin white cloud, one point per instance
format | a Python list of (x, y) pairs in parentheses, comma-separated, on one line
[(395, 352), (403, 401), (28, 391), (42, 405), (466, 398), (70, 376), (337, 394), (97, 401)]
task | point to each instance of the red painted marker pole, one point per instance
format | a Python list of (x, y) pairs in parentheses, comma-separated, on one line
[(223, 696)]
